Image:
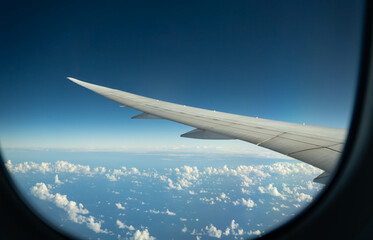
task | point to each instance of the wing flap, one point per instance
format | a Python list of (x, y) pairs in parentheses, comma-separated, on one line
[(146, 116), (323, 178), (203, 134)]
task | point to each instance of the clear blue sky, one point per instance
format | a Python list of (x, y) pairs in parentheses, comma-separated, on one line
[(293, 61)]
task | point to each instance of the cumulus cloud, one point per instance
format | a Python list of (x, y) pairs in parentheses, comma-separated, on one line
[(248, 203), (115, 174), (210, 201), (227, 231), (124, 226), (57, 180), (256, 232), (76, 212), (168, 212), (190, 180), (142, 235), (301, 197), (234, 225), (212, 231), (270, 189), (47, 167), (120, 206), (223, 196), (154, 211)]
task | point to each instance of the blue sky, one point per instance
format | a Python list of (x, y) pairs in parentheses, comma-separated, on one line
[(295, 61)]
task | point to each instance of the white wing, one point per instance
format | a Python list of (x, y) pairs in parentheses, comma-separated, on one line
[(318, 146)]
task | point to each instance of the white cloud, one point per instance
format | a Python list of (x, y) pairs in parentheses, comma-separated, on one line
[(120, 206), (100, 170), (227, 231), (256, 232), (56, 180), (270, 189), (142, 235), (168, 212), (46, 167), (212, 231), (248, 203), (309, 185), (122, 225), (301, 197), (234, 225), (112, 178), (208, 200), (76, 212), (154, 211), (95, 226), (223, 196), (9, 165), (188, 179), (235, 203)]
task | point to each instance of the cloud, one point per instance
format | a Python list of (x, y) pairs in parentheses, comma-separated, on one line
[(212, 231), (248, 203), (210, 201), (234, 225), (100, 170), (120, 206), (235, 203), (301, 197), (168, 212), (142, 235), (121, 225), (46, 167), (154, 211), (287, 168), (76, 212), (115, 174), (95, 226), (56, 180), (192, 181), (256, 232), (309, 185), (227, 231), (223, 196), (270, 189), (112, 178)]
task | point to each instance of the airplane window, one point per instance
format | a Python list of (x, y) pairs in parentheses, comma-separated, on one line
[(261, 93)]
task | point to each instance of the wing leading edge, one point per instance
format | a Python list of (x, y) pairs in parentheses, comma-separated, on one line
[(317, 146)]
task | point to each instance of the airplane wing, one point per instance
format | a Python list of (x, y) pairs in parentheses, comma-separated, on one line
[(317, 146)]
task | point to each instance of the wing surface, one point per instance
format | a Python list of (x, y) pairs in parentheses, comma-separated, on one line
[(317, 146)]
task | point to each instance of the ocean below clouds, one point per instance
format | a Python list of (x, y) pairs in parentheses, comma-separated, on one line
[(106, 195)]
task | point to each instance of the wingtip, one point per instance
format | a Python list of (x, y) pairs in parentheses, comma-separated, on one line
[(72, 79), (77, 81)]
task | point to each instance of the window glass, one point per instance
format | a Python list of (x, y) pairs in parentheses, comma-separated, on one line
[(91, 170)]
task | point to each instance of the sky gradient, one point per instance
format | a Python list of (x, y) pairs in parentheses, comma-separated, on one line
[(295, 61)]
